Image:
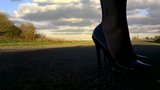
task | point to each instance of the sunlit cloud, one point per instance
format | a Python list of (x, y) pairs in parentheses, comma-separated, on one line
[(72, 20)]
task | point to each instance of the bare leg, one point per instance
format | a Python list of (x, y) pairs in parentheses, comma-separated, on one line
[(115, 27)]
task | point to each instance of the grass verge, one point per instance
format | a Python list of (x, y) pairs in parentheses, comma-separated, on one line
[(41, 43), (45, 43)]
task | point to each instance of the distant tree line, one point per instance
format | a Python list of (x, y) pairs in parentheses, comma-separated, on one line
[(155, 39), (9, 30)]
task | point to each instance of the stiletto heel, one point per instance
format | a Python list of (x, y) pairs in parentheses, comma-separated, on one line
[(104, 57), (100, 44), (98, 55)]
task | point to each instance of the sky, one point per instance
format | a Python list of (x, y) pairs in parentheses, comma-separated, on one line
[(76, 19)]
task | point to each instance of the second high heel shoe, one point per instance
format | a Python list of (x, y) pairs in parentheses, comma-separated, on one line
[(101, 44)]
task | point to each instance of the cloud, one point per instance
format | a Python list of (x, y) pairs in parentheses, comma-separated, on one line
[(142, 4), (151, 18), (77, 15), (37, 12), (66, 35), (143, 16), (144, 29)]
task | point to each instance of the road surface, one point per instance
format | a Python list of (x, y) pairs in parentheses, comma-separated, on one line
[(68, 68)]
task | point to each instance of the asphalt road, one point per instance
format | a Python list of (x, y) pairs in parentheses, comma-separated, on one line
[(68, 68)]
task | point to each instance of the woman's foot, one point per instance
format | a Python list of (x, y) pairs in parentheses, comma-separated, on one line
[(100, 42)]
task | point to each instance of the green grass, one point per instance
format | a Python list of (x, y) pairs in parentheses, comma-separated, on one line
[(145, 43), (41, 43), (157, 40)]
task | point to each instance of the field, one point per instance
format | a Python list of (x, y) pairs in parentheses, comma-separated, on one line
[(40, 43), (71, 66)]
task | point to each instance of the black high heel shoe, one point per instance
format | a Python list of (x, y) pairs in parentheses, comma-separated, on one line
[(101, 44)]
